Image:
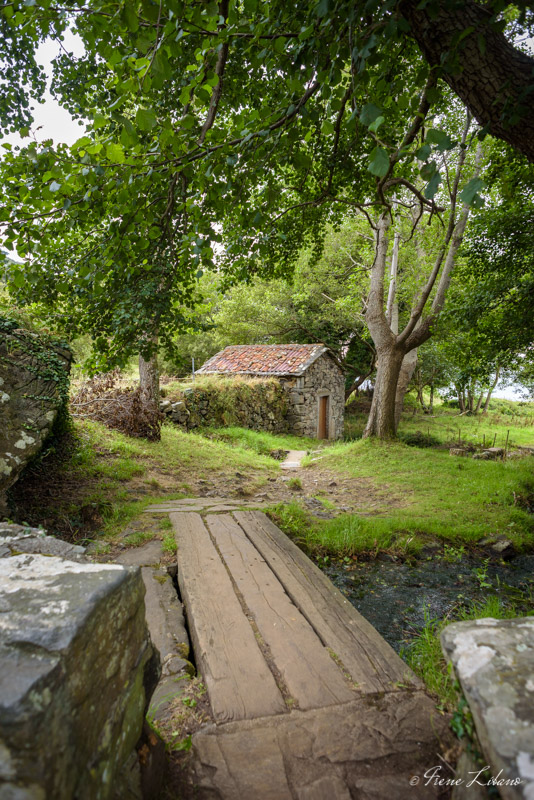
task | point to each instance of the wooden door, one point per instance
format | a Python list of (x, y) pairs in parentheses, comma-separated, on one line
[(323, 417)]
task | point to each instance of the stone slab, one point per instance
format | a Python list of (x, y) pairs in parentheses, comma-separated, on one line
[(494, 662), (148, 554), (368, 658), (369, 749), (194, 509), (310, 674), (293, 459), (197, 502)]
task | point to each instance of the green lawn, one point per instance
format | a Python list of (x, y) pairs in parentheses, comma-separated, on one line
[(455, 499)]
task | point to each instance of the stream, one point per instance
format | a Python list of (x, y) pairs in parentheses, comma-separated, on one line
[(399, 598)]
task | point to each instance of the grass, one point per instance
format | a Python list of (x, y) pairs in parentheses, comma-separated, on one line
[(262, 442), (103, 480), (457, 500), (426, 658), (484, 429), (343, 536)]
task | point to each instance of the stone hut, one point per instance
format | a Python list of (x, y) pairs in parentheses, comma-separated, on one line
[(314, 383)]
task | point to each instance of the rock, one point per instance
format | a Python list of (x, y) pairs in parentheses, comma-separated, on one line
[(494, 661), (504, 547), (166, 623), (494, 452), (486, 540), (465, 789), (482, 456), (15, 539), (368, 749), (165, 406), (148, 554), (77, 669), (33, 387), (457, 451)]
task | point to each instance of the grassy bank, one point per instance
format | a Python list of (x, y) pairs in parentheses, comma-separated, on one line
[(457, 500), (95, 482)]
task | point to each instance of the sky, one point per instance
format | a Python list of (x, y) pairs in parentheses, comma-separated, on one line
[(52, 121)]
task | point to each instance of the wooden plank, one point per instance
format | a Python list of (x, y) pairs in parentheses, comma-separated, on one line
[(239, 682), (310, 674), (369, 659)]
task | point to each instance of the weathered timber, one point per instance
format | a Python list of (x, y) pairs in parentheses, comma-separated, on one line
[(239, 682), (310, 674), (372, 663)]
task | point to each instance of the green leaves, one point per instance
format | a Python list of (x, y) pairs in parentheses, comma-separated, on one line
[(379, 162), (145, 119), (469, 194), (432, 186), (115, 153), (369, 114), (442, 140)]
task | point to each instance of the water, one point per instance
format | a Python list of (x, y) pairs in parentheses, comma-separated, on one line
[(397, 598)]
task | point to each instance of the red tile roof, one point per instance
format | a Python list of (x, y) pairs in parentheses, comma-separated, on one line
[(264, 359)]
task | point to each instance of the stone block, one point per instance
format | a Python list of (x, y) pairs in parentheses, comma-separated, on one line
[(76, 670), (494, 662)]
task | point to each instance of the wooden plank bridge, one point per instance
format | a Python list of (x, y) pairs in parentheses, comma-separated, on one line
[(309, 701)]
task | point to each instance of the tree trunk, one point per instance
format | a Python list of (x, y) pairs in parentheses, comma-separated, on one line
[(409, 363), (492, 77), (149, 379), (381, 422), (492, 389), (461, 398), (479, 402), (431, 404)]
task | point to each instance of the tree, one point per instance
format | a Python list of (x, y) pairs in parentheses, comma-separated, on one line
[(322, 302), (185, 100), (493, 77)]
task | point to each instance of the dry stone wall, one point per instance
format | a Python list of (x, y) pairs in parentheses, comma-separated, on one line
[(260, 405), (33, 388), (77, 668), (277, 404)]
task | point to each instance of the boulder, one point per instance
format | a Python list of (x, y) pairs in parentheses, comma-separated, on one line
[(494, 452), (16, 539), (494, 662), (77, 669), (33, 387)]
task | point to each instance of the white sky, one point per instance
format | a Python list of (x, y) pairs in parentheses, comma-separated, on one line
[(52, 121)]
